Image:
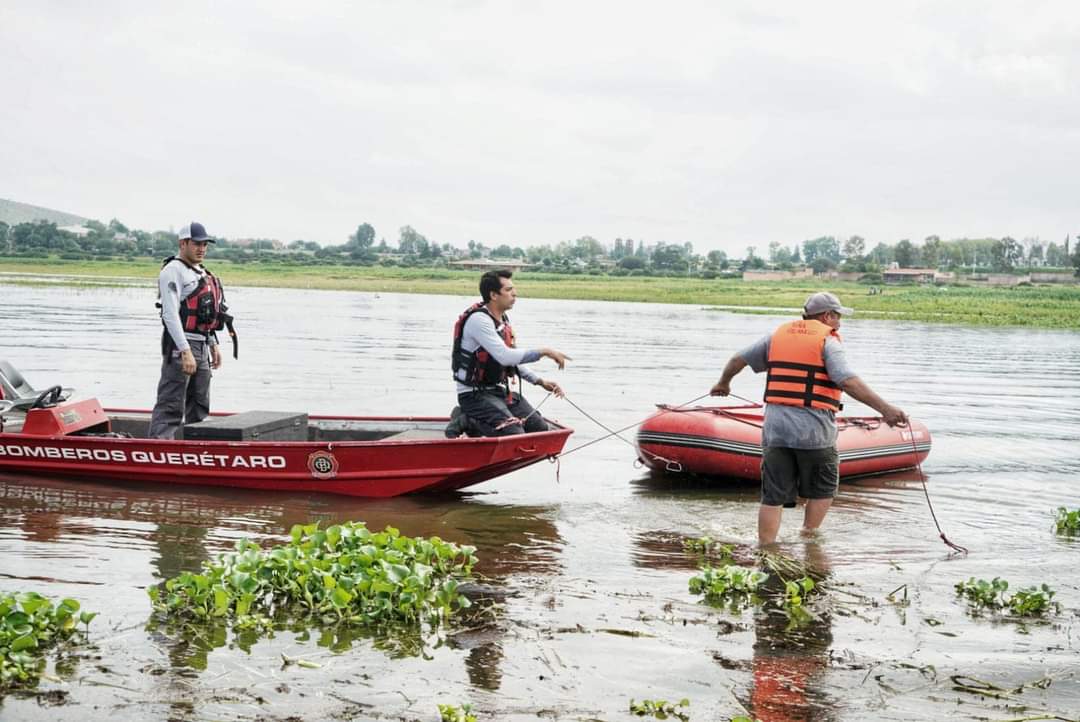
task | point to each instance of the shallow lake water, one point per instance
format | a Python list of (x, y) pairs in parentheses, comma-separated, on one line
[(589, 554)]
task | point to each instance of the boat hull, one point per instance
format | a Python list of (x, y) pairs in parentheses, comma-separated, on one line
[(726, 442), (375, 468)]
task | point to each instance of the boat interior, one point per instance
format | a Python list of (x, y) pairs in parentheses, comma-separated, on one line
[(19, 399), (248, 426), (136, 425)]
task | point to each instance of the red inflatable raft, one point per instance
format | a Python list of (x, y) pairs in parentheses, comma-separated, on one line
[(726, 441)]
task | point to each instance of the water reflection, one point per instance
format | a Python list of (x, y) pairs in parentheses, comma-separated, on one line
[(155, 532), (185, 527), (789, 662)]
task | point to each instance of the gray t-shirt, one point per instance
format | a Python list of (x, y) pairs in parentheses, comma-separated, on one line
[(799, 427), (479, 332)]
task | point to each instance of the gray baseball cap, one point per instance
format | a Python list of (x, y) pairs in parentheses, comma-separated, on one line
[(195, 232), (824, 301)]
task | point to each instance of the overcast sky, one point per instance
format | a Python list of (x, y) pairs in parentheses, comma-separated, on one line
[(721, 123)]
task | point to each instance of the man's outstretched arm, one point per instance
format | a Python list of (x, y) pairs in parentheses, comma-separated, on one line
[(723, 387), (857, 389)]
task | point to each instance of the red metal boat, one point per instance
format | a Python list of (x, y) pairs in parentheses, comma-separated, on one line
[(726, 442), (373, 456)]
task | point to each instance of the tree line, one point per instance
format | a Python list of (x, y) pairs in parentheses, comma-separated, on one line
[(626, 256)]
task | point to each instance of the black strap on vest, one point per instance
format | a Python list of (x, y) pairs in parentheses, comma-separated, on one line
[(809, 382)]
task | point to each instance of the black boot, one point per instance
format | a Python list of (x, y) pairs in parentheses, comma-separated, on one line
[(459, 422)]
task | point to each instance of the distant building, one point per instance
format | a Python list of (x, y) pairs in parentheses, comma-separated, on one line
[(275, 244), (1053, 278), (909, 275), (80, 231), (772, 275), (486, 264)]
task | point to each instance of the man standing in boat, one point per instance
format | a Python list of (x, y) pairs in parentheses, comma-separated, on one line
[(807, 372), (192, 304), (484, 358)]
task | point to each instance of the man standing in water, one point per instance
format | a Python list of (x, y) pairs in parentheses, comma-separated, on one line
[(807, 371), (193, 307), (485, 357)]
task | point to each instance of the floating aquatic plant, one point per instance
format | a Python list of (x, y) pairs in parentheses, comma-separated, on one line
[(729, 584), (453, 713), (343, 574), (1033, 601), (794, 595), (1067, 522), (661, 709), (1029, 602), (29, 626), (707, 545), (980, 593)]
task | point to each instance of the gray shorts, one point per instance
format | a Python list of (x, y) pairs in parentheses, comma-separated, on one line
[(787, 474)]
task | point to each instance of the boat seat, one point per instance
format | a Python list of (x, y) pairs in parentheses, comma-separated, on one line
[(17, 390)]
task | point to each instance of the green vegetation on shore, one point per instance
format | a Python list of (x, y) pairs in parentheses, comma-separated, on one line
[(1043, 306)]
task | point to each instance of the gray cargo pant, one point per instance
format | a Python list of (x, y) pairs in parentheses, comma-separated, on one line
[(181, 399)]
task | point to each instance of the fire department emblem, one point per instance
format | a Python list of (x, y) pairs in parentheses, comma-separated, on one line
[(322, 465)]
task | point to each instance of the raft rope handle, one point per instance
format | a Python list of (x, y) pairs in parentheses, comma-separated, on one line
[(922, 477)]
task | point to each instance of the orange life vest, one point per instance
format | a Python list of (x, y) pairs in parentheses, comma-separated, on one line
[(796, 364)]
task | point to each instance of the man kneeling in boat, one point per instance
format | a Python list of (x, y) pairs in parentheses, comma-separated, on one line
[(807, 372), (483, 360)]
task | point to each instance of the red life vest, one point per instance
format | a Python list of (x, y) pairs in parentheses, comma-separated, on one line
[(481, 368), (204, 311), (796, 364)]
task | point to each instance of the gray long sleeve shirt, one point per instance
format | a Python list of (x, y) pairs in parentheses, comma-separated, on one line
[(479, 332), (175, 283), (799, 427)]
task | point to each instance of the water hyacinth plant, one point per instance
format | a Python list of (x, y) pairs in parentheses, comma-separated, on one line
[(1067, 522), (661, 709), (981, 594), (344, 573), (30, 625), (795, 593), (1033, 601), (707, 545), (453, 713), (1030, 602), (729, 584)]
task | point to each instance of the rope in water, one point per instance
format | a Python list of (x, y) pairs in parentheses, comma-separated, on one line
[(926, 493)]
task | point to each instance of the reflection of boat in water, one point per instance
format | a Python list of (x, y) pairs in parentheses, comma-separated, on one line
[(726, 442), (359, 456), (186, 525)]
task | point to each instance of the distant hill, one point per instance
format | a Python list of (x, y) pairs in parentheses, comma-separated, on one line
[(13, 213)]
